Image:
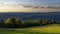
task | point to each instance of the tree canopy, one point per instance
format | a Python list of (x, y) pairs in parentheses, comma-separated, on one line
[(18, 23)]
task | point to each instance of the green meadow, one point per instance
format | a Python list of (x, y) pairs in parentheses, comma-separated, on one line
[(47, 29)]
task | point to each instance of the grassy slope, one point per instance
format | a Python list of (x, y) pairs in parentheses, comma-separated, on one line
[(48, 29)]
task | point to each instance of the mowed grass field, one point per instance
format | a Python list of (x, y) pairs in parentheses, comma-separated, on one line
[(47, 29)]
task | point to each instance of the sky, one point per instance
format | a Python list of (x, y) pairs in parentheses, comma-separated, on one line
[(35, 2), (14, 5)]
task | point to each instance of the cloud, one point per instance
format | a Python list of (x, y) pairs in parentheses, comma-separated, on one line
[(12, 4), (9, 4)]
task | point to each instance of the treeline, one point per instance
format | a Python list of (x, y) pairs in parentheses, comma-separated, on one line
[(17, 23)]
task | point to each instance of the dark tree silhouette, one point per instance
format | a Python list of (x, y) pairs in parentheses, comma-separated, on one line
[(18, 22), (2, 24)]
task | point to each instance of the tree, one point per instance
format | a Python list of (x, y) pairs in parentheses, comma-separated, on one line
[(2, 24), (39, 22), (29, 23), (51, 21), (18, 22), (13, 22), (10, 22)]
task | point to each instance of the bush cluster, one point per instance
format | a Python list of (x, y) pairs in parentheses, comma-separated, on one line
[(17, 23)]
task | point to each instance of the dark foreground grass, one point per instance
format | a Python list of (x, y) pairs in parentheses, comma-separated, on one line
[(49, 29)]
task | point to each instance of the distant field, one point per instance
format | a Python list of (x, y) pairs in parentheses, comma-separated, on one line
[(47, 29)]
